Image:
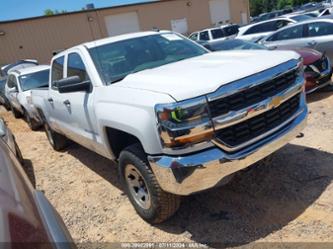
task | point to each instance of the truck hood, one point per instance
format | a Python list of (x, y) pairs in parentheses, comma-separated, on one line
[(205, 74)]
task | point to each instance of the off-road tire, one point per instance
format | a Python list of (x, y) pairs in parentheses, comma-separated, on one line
[(16, 113), (31, 122), (56, 140), (163, 205)]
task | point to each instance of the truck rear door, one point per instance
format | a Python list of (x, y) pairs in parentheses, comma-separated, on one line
[(59, 113)]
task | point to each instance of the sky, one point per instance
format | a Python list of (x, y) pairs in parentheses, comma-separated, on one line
[(17, 9)]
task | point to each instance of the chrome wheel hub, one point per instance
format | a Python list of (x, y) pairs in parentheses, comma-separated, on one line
[(137, 187)]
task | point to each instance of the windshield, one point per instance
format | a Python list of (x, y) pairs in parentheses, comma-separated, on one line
[(235, 45), (34, 80), (114, 61), (301, 18)]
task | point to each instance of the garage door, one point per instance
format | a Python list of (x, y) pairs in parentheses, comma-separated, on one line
[(179, 25), (122, 23), (219, 10)]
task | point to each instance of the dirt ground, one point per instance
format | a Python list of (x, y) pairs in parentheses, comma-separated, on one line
[(289, 200)]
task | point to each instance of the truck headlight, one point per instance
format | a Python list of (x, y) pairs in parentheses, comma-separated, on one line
[(184, 123)]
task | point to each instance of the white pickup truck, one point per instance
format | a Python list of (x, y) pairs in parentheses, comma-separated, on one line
[(177, 118)]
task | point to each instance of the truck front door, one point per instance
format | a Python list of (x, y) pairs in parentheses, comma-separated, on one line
[(82, 121)]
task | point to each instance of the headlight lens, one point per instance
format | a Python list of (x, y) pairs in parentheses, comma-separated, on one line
[(184, 123)]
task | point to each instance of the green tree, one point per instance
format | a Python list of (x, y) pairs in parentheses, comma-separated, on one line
[(48, 12)]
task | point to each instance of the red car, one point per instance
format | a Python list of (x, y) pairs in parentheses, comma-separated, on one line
[(317, 69), (27, 219), (317, 66)]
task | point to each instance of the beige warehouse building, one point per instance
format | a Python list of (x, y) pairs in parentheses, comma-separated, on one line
[(39, 37)]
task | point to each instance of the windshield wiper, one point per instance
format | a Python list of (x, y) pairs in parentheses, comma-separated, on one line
[(118, 79)]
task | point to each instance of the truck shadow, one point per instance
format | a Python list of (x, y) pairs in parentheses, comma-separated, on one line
[(100, 165), (256, 202), (29, 170), (320, 95)]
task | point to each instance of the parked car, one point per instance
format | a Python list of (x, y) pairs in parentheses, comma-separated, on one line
[(257, 31), (317, 69), (328, 3), (316, 34), (215, 34), (317, 66), (268, 16), (319, 13), (18, 92), (311, 6), (9, 139), (298, 17), (27, 218), (178, 118), (3, 99), (5, 70), (234, 44)]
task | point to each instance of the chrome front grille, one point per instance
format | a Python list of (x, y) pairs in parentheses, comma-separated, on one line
[(252, 95), (254, 108), (242, 132)]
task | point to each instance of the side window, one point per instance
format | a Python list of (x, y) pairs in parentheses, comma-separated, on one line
[(261, 28), (217, 33), (57, 70), (204, 36), (287, 34), (280, 24), (75, 67), (11, 82), (320, 29), (194, 37)]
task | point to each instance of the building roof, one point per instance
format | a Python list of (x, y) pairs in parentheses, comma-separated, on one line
[(144, 2)]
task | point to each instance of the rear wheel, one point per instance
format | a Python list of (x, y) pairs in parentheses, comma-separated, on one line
[(16, 113), (152, 203), (31, 122), (57, 141)]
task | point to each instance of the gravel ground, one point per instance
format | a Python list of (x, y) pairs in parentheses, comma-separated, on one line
[(289, 200)]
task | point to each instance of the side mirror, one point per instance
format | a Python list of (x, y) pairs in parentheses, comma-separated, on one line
[(13, 90), (3, 128), (73, 84)]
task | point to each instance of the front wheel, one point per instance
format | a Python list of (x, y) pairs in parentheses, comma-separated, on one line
[(57, 141), (152, 203)]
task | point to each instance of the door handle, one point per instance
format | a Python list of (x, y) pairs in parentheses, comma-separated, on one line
[(67, 103), (50, 100), (312, 43)]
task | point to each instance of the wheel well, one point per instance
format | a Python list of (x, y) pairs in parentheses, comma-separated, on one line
[(41, 114), (119, 140)]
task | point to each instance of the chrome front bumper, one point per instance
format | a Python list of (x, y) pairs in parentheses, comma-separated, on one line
[(207, 169)]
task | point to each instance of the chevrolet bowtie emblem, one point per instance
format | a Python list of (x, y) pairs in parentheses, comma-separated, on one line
[(276, 101)]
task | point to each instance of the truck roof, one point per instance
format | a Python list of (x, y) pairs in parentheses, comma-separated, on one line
[(30, 70), (117, 38)]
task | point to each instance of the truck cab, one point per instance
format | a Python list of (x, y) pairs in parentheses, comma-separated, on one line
[(18, 91), (177, 118)]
